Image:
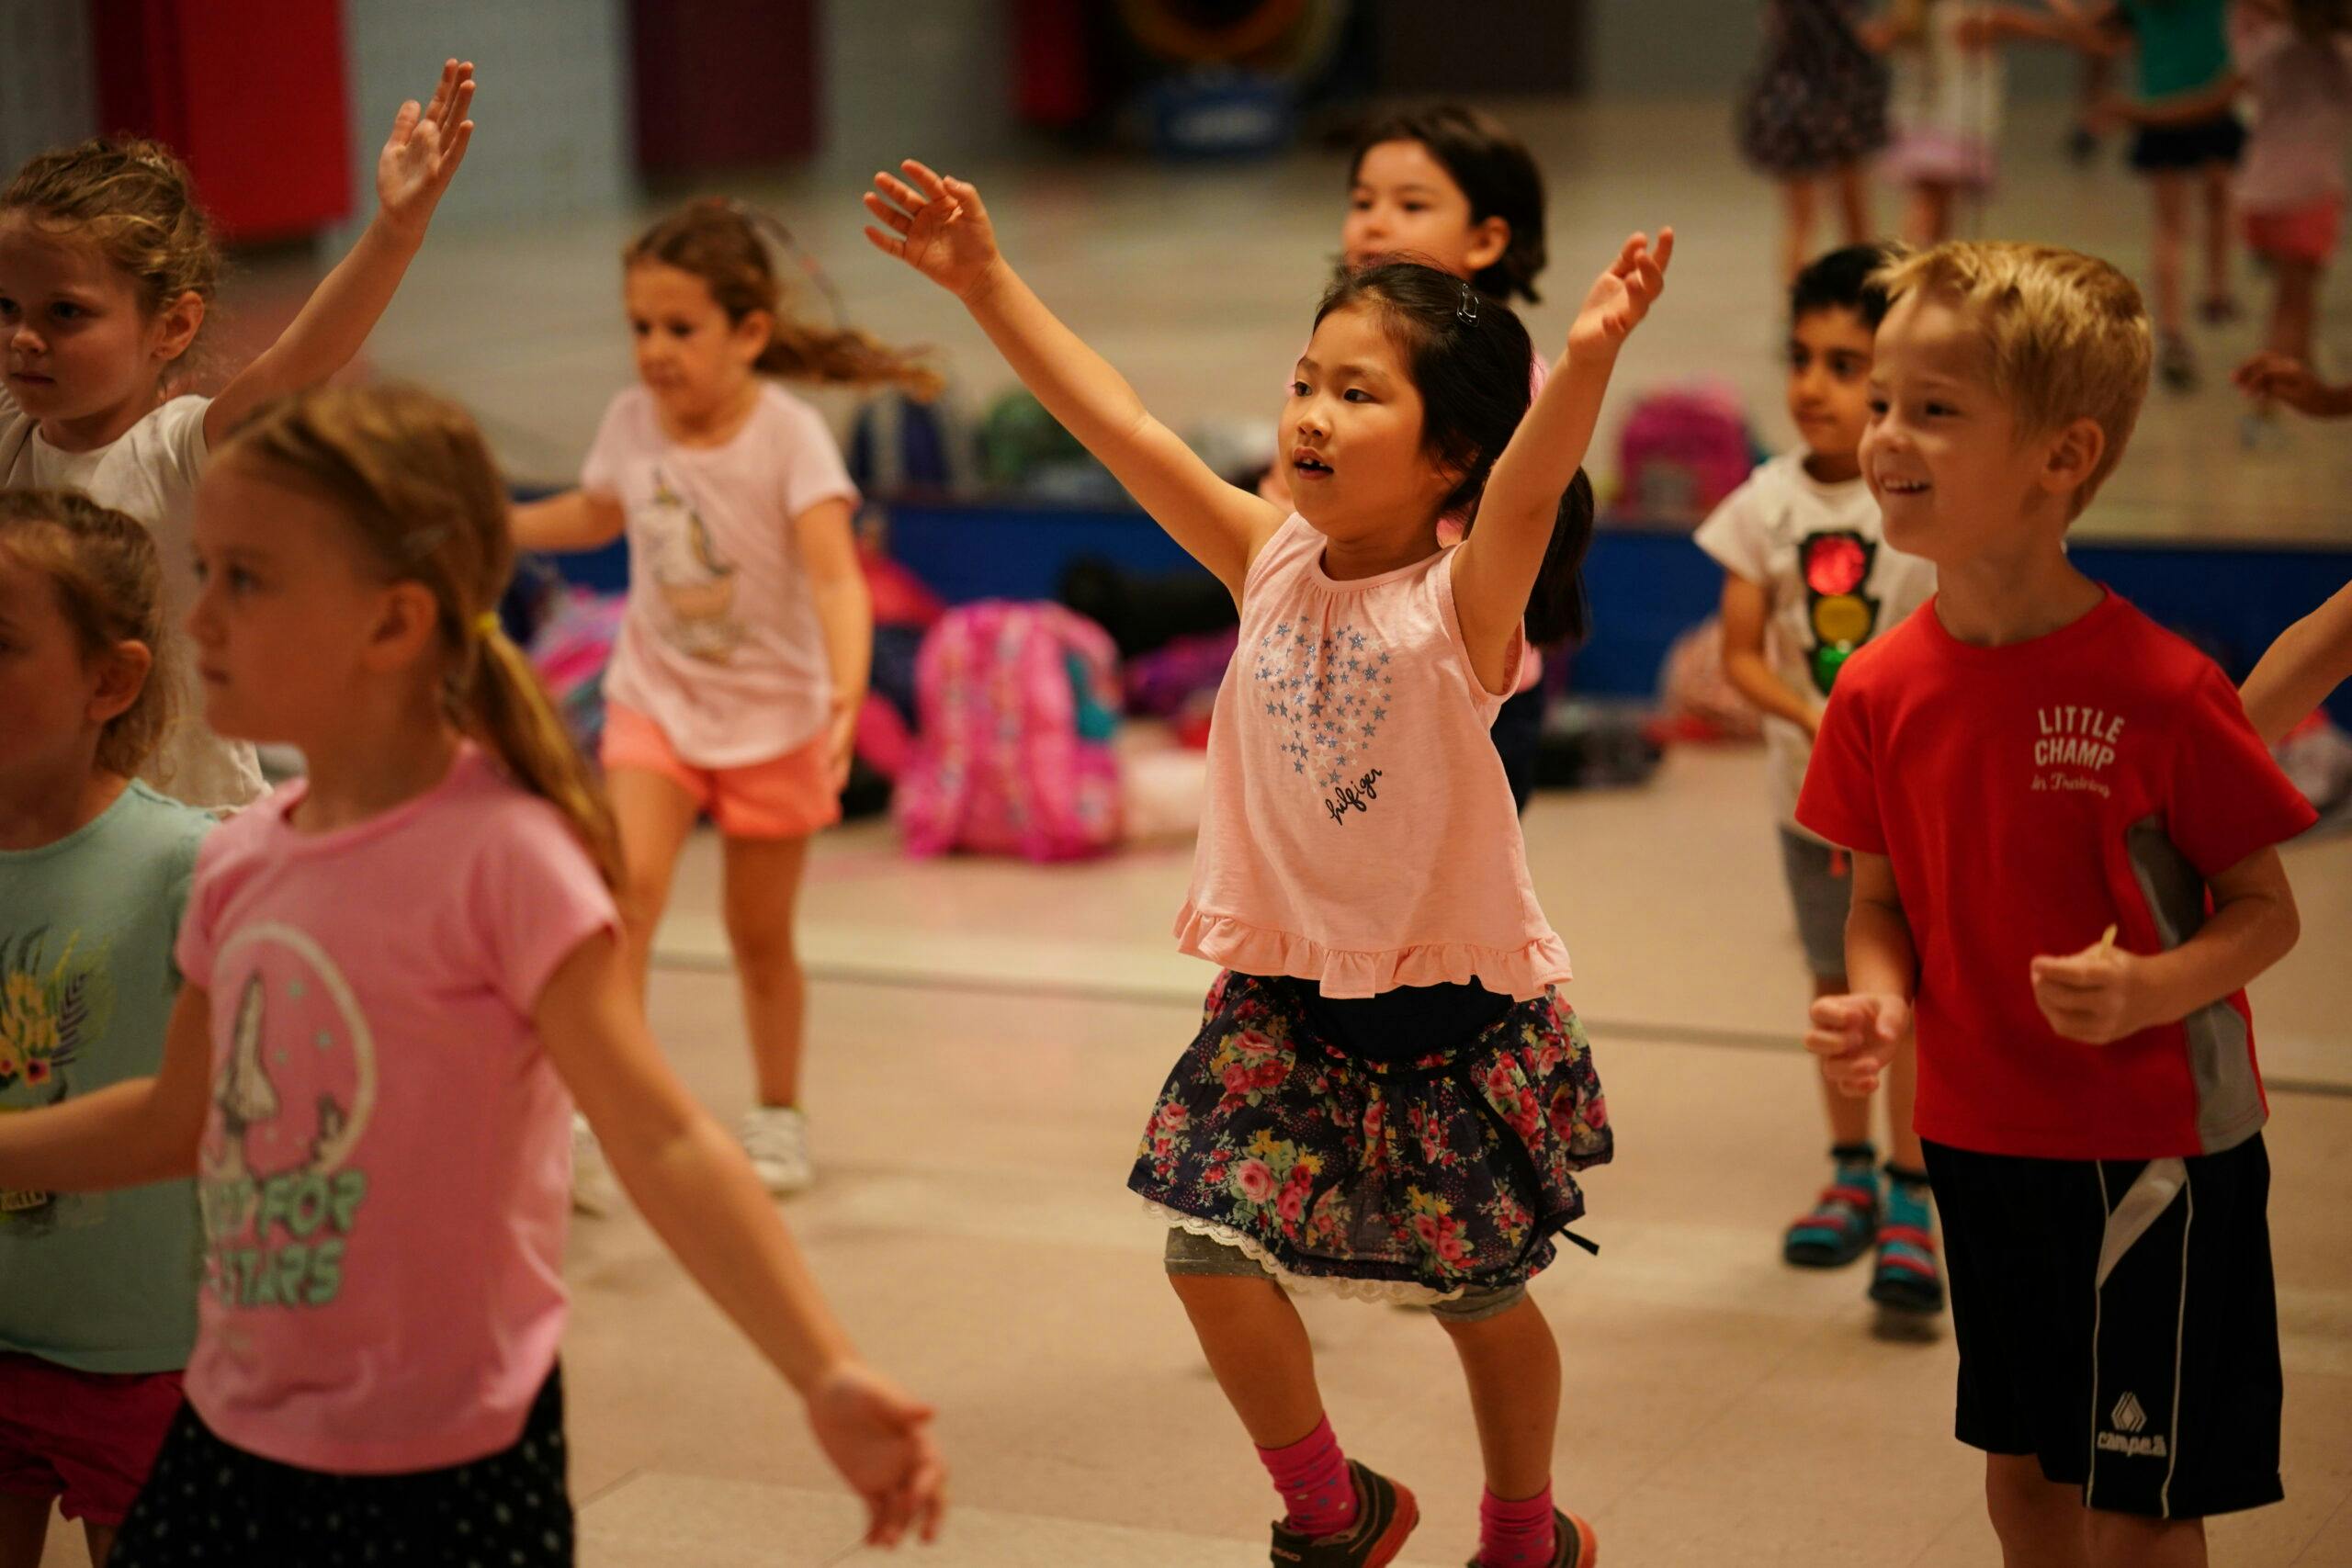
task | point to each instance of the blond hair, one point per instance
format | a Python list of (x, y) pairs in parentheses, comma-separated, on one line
[(134, 202), (109, 584), (718, 241), (2068, 334), (413, 475)]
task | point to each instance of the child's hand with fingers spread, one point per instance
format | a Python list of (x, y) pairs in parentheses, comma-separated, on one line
[(1622, 296), (2279, 377), (879, 1437), (2098, 996), (936, 225), (1856, 1036), (422, 153)]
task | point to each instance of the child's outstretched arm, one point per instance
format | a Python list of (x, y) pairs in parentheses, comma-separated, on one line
[(1856, 1035), (1494, 568), (937, 226), (2104, 994), (692, 1184), (576, 520), (1747, 612), (2272, 377), (417, 164), (126, 1134), (2309, 660), (828, 538)]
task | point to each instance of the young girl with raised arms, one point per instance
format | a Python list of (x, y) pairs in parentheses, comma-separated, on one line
[(1387, 1095), (748, 633), (107, 269), (97, 1305), (373, 1093)]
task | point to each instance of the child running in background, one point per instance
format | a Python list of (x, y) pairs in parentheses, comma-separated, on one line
[(1455, 188), (374, 1091), (2065, 873), (1815, 112), (1946, 106), (1808, 580), (97, 1299), (748, 635), (2294, 58), (1387, 1096), (107, 269)]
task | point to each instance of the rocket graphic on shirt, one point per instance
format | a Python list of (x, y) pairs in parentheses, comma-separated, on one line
[(292, 1098)]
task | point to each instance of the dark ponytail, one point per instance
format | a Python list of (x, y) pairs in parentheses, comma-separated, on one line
[(1472, 360)]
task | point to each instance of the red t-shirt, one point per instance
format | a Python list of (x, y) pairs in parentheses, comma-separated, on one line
[(2029, 796)]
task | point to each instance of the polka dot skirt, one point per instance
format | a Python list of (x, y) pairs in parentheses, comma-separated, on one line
[(208, 1503)]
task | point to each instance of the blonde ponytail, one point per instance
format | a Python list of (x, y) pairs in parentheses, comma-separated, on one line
[(412, 474)]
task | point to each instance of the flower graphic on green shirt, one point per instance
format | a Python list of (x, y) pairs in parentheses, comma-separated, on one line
[(50, 1008)]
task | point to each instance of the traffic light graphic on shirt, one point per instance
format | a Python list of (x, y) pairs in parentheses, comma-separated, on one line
[(1842, 617)]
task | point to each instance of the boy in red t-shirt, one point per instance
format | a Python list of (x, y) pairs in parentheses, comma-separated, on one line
[(2064, 875)]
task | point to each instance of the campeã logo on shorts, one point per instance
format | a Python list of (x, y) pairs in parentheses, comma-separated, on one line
[(2131, 1436)]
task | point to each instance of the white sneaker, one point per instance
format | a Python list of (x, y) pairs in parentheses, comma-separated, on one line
[(776, 1137), (594, 1190)]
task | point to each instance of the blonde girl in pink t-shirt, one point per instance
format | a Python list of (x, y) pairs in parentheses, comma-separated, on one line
[(401, 971), (743, 654), (1387, 1096)]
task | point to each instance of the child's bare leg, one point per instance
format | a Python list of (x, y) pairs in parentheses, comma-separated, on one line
[(2171, 241), (1927, 220), (2215, 179), (2128, 1541), (101, 1543), (1513, 1368), (1854, 203), (1796, 225), (1259, 1350), (2040, 1521), (654, 815), (23, 1527), (2295, 314), (762, 897)]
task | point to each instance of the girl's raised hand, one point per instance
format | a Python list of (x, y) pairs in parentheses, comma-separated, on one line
[(936, 225), (1622, 296), (879, 1437), (425, 149)]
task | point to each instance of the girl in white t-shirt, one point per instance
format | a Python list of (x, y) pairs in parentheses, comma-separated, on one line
[(107, 268), (744, 648)]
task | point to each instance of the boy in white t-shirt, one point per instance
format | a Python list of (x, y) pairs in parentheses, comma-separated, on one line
[(1808, 578)]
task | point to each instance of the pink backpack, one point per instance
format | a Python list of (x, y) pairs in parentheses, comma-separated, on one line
[(1681, 452), (1016, 707)]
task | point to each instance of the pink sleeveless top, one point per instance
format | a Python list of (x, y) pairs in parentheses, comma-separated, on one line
[(1359, 831)]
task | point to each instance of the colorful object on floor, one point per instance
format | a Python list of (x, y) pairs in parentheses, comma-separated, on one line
[(1844, 1222), (1681, 452), (1906, 1277), (1017, 709)]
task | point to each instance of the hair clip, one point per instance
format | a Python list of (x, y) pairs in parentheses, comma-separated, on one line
[(1467, 311)]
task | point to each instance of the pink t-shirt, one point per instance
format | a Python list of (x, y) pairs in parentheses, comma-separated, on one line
[(720, 644), (2302, 92), (385, 1171), (1359, 830)]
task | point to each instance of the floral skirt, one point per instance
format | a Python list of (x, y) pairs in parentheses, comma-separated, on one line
[(1447, 1171)]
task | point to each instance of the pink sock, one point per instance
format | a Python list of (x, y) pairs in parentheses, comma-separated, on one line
[(1312, 1476), (1516, 1535)]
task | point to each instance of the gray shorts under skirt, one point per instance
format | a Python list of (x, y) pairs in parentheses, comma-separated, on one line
[(1190, 1254)]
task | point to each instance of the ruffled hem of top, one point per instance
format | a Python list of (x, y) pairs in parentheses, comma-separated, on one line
[(1394, 1292), (1521, 973)]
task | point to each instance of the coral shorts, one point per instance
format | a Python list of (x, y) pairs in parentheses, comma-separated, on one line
[(784, 797), (2306, 234), (86, 1439)]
